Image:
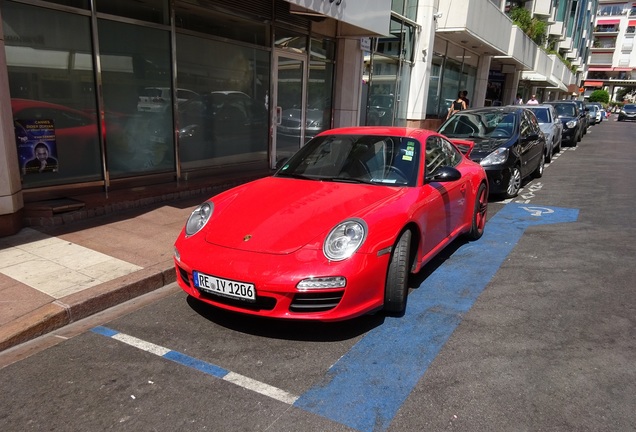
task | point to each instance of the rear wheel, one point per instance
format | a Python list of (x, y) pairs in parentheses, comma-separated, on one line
[(514, 184), (538, 172), (479, 213), (396, 288)]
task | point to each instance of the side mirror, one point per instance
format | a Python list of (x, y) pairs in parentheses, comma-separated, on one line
[(444, 174)]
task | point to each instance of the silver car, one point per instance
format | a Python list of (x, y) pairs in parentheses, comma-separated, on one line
[(551, 127)]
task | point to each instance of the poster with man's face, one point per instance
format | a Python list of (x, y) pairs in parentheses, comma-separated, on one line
[(37, 149)]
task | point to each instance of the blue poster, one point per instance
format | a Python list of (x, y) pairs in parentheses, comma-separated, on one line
[(37, 149)]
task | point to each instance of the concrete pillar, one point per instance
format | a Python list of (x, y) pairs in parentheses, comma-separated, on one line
[(348, 82), (421, 70), (481, 83), (510, 90), (11, 203)]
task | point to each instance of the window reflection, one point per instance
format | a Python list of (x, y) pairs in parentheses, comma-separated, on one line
[(228, 120), (52, 93), (136, 82)]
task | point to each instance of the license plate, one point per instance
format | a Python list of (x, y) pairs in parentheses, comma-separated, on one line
[(224, 287)]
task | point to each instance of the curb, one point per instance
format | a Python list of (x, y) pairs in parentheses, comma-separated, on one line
[(74, 307)]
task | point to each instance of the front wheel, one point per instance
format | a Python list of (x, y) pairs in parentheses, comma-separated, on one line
[(514, 184), (396, 287), (479, 213)]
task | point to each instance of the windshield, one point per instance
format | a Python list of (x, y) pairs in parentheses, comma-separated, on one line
[(485, 124), (369, 159), (628, 106), (541, 114), (567, 110)]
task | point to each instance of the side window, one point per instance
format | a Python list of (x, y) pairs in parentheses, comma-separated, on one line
[(440, 152), (525, 127)]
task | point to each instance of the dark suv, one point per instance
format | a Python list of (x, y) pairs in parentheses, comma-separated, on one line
[(583, 113), (570, 116)]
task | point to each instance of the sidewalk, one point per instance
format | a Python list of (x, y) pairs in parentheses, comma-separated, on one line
[(52, 276)]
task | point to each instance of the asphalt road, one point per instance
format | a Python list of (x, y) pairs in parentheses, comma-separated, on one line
[(531, 328)]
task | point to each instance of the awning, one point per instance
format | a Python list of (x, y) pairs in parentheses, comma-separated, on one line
[(608, 21), (631, 23), (623, 69), (593, 84), (599, 69)]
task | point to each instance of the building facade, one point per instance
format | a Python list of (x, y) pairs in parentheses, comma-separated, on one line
[(119, 94), (612, 59)]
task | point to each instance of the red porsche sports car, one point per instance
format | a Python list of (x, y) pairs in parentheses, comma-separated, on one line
[(337, 230)]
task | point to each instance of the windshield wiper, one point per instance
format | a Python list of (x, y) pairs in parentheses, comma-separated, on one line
[(350, 180)]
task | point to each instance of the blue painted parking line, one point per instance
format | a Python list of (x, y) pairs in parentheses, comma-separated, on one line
[(367, 386)]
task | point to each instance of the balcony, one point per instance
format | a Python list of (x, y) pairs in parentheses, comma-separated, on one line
[(543, 8), (607, 28), (479, 26)]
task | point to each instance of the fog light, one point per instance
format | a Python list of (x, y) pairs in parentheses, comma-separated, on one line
[(322, 282)]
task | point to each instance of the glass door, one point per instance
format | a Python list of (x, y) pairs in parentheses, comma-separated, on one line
[(288, 131)]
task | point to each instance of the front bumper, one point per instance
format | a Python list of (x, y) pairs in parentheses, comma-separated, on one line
[(498, 178), (275, 278)]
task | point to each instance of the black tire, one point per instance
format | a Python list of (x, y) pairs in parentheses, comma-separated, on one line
[(548, 154), (538, 172), (480, 212), (558, 149), (514, 183), (396, 287)]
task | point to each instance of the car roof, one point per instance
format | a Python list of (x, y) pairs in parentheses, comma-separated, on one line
[(380, 131)]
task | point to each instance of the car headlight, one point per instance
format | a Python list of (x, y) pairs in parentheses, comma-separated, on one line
[(497, 157), (571, 124), (199, 217), (344, 239)]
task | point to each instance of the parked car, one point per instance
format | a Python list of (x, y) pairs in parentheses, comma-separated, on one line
[(336, 231), (583, 114), (628, 112), (551, 127), (159, 99), (568, 113), (508, 143), (595, 114), (221, 123), (380, 111)]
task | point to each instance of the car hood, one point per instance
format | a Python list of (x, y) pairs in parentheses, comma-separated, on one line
[(281, 215)]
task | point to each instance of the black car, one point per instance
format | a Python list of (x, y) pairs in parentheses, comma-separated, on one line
[(628, 112), (583, 114), (573, 125), (508, 143)]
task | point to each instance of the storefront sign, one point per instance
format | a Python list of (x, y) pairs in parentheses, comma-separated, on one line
[(37, 147)]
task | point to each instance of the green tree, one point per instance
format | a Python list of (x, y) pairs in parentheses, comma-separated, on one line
[(601, 96)]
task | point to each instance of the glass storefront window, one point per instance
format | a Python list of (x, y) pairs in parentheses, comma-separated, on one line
[(82, 4), (222, 25), (228, 121), (290, 41), (155, 11), (138, 98), (51, 81), (382, 84)]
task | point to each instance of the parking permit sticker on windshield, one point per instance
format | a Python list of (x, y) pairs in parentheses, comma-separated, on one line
[(409, 152)]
